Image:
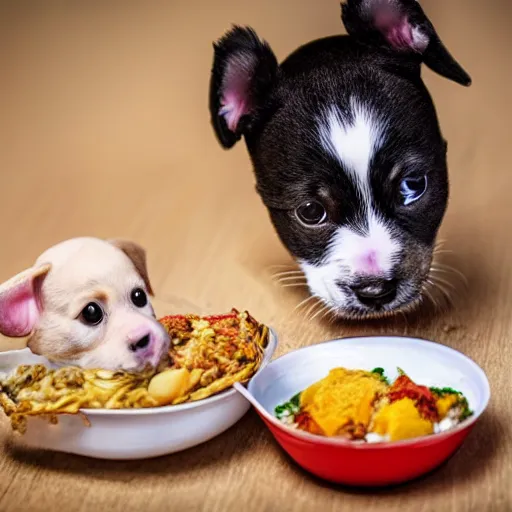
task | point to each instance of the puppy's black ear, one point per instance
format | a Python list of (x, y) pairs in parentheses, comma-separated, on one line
[(401, 26), (244, 71)]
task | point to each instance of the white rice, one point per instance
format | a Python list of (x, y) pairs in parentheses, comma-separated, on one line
[(373, 438)]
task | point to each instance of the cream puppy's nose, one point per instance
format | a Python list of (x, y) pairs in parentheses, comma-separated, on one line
[(148, 343), (143, 343)]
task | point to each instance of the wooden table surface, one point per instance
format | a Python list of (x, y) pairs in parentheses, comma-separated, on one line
[(104, 131)]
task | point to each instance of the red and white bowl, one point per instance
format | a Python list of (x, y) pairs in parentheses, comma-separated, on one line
[(362, 464)]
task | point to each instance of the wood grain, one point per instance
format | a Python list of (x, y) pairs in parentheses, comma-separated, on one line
[(104, 131)]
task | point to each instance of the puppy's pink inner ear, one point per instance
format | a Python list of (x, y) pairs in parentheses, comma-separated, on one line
[(236, 89), (397, 29), (19, 311)]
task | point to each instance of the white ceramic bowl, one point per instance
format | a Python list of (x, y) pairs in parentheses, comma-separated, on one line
[(134, 433)]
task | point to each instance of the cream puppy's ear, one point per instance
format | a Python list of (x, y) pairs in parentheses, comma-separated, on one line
[(138, 257), (20, 304)]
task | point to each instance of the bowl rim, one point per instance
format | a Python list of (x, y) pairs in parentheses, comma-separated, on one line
[(385, 445), (268, 351)]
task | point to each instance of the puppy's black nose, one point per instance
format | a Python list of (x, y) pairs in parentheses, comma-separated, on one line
[(375, 293), (139, 345)]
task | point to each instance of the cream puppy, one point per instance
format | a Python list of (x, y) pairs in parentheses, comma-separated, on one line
[(85, 303)]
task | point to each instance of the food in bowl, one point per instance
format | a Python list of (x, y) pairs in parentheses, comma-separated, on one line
[(206, 356), (363, 406)]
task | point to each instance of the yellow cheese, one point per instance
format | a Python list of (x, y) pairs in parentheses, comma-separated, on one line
[(445, 403), (401, 420)]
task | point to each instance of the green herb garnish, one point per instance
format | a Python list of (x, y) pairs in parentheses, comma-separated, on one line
[(380, 373), (295, 400), (292, 407), (445, 391), (466, 411)]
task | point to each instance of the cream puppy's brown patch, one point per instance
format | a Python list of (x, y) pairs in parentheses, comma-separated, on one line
[(85, 302)]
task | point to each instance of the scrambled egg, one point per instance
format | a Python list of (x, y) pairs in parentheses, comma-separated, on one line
[(342, 400)]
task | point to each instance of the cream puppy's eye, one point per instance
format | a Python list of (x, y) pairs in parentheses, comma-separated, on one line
[(139, 297), (92, 314)]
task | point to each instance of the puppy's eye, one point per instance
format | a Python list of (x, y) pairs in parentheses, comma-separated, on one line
[(412, 189), (311, 213), (139, 297), (92, 314)]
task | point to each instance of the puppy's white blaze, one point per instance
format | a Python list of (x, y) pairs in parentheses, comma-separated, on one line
[(353, 141), (372, 253), (352, 254)]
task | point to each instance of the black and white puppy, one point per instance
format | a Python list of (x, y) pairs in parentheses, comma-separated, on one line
[(347, 150)]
